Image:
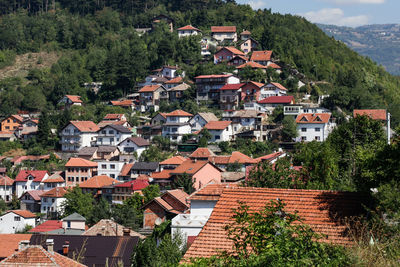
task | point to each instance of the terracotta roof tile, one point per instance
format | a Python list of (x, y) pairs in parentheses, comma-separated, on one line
[(261, 55), (277, 100), (188, 27), (180, 195), (98, 182), (233, 50), (246, 32), (274, 66), (217, 125), (162, 175), (279, 86), (35, 194), (23, 175), (173, 161), (47, 226), (112, 116), (316, 208), (313, 118), (252, 64), (23, 213), (106, 227), (74, 98), (241, 158), (135, 185), (236, 86), (189, 167), (56, 192), (5, 180), (79, 162), (126, 169), (223, 28), (179, 113), (175, 80), (149, 88), (210, 192), (85, 126), (376, 114), (270, 157), (202, 152), (122, 103), (10, 243), (213, 76)]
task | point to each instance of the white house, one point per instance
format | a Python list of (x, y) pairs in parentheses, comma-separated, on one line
[(295, 110), (272, 89), (16, 220), (169, 72), (110, 168), (29, 180), (188, 30), (201, 119), (52, 201), (224, 33), (177, 125), (6, 188), (54, 180), (71, 100), (244, 119), (314, 126), (220, 131), (112, 135), (207, 45), (78, 134), (133, 145)]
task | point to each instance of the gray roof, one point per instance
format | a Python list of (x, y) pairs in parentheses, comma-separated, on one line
[(75, 217), (87, 151), (233, 176), (180, 87), (118, 128), (139, 141), (106, 149), (208, 116), (66, 232), (145, 166)]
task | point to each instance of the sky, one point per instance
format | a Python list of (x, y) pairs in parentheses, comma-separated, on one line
[(350, 13)]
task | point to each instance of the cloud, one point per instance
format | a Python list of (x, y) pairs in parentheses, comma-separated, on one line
[(335, 16), (356, 1), (258, 4)]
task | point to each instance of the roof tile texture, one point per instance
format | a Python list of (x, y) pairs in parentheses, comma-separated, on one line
[(313, 118), (85, 126), (261, 55), (376, 114), (217, 125), (98, 182), (223, 28)]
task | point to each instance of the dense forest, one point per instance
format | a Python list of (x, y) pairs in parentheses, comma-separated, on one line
[(97, 41)]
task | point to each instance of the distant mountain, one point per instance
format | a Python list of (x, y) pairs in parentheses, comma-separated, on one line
[(380, 42)]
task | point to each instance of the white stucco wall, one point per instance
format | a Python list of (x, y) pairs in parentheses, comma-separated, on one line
[(11, 222)]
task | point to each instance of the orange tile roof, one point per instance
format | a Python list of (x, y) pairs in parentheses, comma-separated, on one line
[(23, 175), (162, 175), (175, 80), (241, 158), (98, 182), (179, 113), (74, 98), (209, 192), (270, 157), (180, 195), (85, 126), (315, 207), (38, 256), (126, 169), (285, 99), (79, 162), (233, 50), (376, 114), (47, 226), (122, 103), (213, 76), (279, 86), (188, 27), (259, 85), (173, 161), (246, 32), (5, 180), (112, 116), (23, 213), (149, 88), (189, 167), (10, 243), (274, 66), (17, 117), (235, 86), (217, 125), (223, 28), (261, 55), (202, 152), (313, 118), (56, 192), (252, 64)]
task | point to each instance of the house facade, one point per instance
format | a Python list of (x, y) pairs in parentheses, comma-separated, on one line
[(15, 220), (177, 125), (78, 170), (150, 97), (272, 89), (224, 34), (51, 202), (11, 123), (133, 145), (314, 126), (6, 188), (220, 131), (110, 168), (188, 30), (112, 135), (29, 180), (30, 200), (78, 134), (70, 100), (226, 53), (201, 119), (208, 86), (230, 96)]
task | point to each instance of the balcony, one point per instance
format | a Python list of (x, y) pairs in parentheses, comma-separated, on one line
[(70, 142)]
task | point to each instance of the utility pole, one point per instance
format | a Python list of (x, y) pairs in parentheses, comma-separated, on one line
[(388, 128)]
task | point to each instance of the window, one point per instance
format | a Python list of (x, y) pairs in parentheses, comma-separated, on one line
[(44, 199), (100, 139), (103, 132), (8, 127), (103, 166), (304, 129), (217, 137), (112, 166), (17, 218), (317, 138), (52, 200), (111, 140), (317, 129), (112, 175), (303, 138), (111, 132)]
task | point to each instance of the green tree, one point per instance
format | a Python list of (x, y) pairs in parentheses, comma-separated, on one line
[(101, 210), (186, 182), (289, 131), (151, 192), (43, 134), (79, 202), (3, 206)]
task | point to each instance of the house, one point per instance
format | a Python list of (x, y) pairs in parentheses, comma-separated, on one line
[(8, 136), (54, 180), (313, 206), (248, 45), (47, 227), (125, 173), (78, 134), (226, 53), (144, 168), (272, 89), (273, 101), (70, 100), (159, 118), (375, 114), (208, 86), (208, 45), (135, 145), (74, 221), (94, 184), (202, 172), (170, 72), (230, 96), (30, 200), (127, 104), (171, 163), (11, 242), (78, 170), (198, 121), (123, 191), (262, 57), (238, 60), (188, 30), (149, 131), (220, 131), (28, 129), (15, 220), (164, 207), (118, 119), (176, 93), (245, 119), (51, 202), (272, 158), (163, 18), (11, 123), (6, 188), (224, 34), (110, 168), (112, 135), (251, 91), (29, 180), (173, 82), (202, 153), (297, 109), (245, 35), (242, 160), (314, 126), (107, 227), (99, 153), (253, 65), (150, 97), (38, 256), (177, 125)]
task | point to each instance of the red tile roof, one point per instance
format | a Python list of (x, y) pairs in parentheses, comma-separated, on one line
[(252, 64), (10, 243), (23, 213), (56, 192), (188, 27), (47, 226), (246, 32), (241, 158), (126, 169), (74, 98), (173, 161), (5, 180), (202, 152), (277, 100), (17, 117), (217, 125), (235, 86), (175, 80), (23, 175), (35, 194), (259, 85), (85, 126), (261, 55), (162, 175), (113, 116), (223, 29), (376, 114), (210, 192), (315, 207), (189, 167), (98, 182), (179, 113), (122, 103), (213, 76), (279, 86), (233, 50), (270, 157), (149, 88), (78, 162), (135, 185), (274, 66), (313, 118), (180, 195)]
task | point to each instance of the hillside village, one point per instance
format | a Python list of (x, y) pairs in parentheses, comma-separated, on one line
[(183, 168)]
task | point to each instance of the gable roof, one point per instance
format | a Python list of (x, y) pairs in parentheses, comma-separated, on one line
[(180, 87), (315, 207), (55, 178), (35, 194), (74, 98), (135, 185), (223, 29), (252, 64), (287, 99), (261, 55), (202, 152), (5, 180), (85, 126), (165, 174), (279, 86), (175, 80), (145, 165), (23, 213), (47, 226), (75, 217), (16, 117), (173, 161), (217, 125), (113, 116), (122, 103), (190, 167), (313, 118), (188, 27), (234, 86), (208, 116), (139, 141), (126, 169), (239, 157), (10, 243), (23, 175), (233, 50), (179, 113), (375, 114), (274, 66), (119, 128), (245, 32), (56, 192), (98, 182), (38, 256), (79, 162), (150, 88), (213, 76), (107, 227), (270, 157), (209, 192)]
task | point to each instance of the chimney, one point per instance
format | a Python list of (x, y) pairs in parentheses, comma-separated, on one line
[(126, 232), (66, 248), (50, 245), (23, 244)]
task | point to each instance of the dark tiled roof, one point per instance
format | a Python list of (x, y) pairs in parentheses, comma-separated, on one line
[(145, 166), (119, 128), (107, 149), (87, 151)]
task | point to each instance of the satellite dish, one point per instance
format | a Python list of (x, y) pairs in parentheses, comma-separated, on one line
[(158, 221)]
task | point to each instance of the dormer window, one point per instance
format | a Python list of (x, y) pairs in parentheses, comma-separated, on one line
[(30, 177), (318, 118), (304, 119)]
